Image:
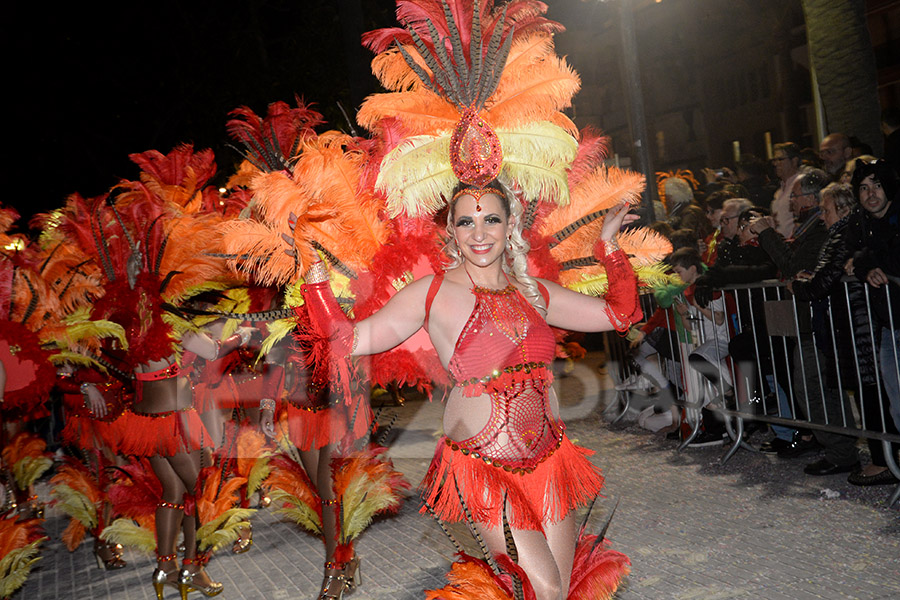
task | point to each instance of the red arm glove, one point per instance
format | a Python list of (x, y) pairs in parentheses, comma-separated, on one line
[(326, 317), (622, 303)]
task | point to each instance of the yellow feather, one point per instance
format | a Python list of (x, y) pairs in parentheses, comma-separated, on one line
[(596, 285), (15, 567), (128, 533), (536, 157), (224, 529), (415, 174), (297, 510), (75, 504), (29, 469), (277, 332), (74, 358)]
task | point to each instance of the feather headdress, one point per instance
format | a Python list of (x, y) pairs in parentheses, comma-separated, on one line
[(477, 96)]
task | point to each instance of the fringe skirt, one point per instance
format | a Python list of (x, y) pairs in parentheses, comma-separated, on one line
[(563, 481), (161, 434), (314, 427)]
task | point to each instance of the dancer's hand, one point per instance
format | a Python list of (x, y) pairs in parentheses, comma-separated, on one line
[(615, 219), (94, 400)]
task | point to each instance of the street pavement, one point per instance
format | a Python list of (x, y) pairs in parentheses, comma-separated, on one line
[(694, 528)]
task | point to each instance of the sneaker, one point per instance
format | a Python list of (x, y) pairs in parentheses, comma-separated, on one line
[(708, 438), (658, 421), (636, 383)]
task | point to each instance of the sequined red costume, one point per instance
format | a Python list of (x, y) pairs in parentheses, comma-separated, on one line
[(522, 454)]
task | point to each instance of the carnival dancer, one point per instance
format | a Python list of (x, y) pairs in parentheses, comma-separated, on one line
[(127, 234), (488, 320), (475, 103), (287, 161)]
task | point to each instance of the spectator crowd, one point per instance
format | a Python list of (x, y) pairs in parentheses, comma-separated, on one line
[(818, 346)]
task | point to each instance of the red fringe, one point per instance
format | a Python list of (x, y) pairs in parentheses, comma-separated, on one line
[(313, 429), (87, 433), (561, 483), (165, 435), (539, 375)]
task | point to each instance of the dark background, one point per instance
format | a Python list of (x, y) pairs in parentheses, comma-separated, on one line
[(90, 86)]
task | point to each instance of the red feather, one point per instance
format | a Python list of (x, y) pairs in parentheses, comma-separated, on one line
[(597, 571), (137, 491), (592, 149)]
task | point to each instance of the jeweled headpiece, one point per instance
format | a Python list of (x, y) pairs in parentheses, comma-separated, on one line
[(477, 97)]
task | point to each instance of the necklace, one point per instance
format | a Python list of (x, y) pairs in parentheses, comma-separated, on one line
[(505, 309)]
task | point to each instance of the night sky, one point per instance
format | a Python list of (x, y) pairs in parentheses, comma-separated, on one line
[(88, 87)]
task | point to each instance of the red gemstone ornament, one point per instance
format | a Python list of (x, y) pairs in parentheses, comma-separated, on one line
[(475, 153)]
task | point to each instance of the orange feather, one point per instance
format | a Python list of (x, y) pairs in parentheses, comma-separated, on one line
[(421, 112)]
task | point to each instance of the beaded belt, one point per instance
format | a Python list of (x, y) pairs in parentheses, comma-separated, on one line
[(456, 447), (158, 375), (498, 373)]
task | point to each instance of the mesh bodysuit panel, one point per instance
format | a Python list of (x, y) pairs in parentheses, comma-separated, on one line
[(505, 350)]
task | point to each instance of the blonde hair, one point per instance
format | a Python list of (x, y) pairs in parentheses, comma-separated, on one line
[(515, 260)]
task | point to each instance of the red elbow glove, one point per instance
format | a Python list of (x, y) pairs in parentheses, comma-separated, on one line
[(327, 319), (622, 304)]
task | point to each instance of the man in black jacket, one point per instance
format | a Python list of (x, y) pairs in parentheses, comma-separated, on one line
[(800, 253), (878, 189)]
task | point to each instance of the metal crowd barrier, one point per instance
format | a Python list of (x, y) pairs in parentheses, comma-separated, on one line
[(804, 365)]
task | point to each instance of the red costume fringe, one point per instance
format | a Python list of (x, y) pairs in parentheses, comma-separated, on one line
[(564, 481), (161, 434), (314, 428)]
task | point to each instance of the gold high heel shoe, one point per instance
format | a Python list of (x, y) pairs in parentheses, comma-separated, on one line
[(334, 584), (352, 575), (114, 556), (162, 578), (243, 543), (186, 583)]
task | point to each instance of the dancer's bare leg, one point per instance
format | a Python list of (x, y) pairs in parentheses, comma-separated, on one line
[(546, 560)]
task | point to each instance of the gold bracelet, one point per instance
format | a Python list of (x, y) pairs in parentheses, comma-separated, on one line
[(318, 273), (355, 343), (610, 246)]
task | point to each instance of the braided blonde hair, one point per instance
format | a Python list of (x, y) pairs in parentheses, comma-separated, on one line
[(516, 254)]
